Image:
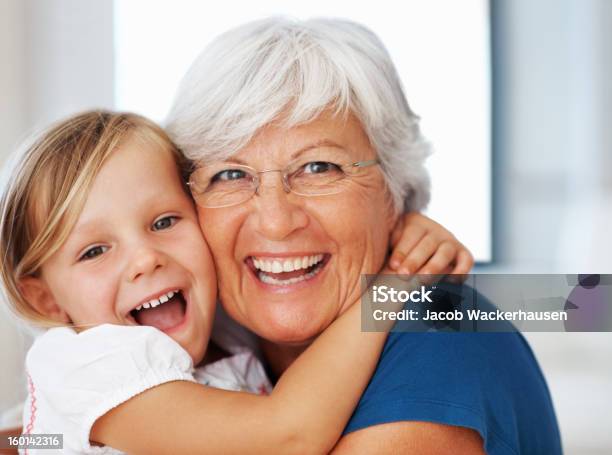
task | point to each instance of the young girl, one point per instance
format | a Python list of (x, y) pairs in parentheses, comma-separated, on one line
[(100, 239)]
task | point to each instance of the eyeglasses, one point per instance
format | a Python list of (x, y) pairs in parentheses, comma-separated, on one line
[(226, 184)]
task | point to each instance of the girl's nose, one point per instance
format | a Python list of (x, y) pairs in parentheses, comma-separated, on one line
[(145, 260)]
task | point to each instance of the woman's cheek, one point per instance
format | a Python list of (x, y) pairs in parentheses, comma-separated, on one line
[(220, 229)]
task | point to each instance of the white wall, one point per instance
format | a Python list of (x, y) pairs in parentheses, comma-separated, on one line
[(45, 74), (12, 123), (12, 85), (57, 58), (70, 57)]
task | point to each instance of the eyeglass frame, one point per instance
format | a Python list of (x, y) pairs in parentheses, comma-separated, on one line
[(257, 181)]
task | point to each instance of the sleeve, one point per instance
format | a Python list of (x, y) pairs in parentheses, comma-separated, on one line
[(79, 377)]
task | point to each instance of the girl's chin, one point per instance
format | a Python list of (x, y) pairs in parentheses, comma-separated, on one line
[(194, 348)]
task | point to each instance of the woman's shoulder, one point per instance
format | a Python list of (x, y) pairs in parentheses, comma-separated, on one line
[(472, 359), (467, 368), (492, 349), (489, 382)]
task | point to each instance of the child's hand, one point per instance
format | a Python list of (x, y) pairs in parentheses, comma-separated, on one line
[(422, 246)]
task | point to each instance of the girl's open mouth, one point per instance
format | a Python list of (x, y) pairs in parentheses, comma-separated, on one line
[(165, 312)]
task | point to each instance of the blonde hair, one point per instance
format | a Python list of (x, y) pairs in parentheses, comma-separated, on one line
[(48, 186)]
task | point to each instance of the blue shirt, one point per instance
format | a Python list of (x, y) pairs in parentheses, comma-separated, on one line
[(489, 382)]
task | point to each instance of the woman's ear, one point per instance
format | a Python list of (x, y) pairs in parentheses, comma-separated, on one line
[(36, 292)]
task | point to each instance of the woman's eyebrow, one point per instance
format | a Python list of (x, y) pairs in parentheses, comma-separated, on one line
[(233, 160), (317, 144)]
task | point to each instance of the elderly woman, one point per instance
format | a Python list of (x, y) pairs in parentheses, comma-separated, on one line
[(307, 152)]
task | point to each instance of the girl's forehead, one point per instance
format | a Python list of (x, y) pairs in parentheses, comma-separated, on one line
[(135, 173), (139, 156)]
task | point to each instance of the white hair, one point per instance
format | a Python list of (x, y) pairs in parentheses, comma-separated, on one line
[(289, 71)]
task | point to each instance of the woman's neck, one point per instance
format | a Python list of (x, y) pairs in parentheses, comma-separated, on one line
[(279, 357)]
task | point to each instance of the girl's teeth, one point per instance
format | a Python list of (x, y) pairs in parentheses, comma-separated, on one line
[(156, 302)]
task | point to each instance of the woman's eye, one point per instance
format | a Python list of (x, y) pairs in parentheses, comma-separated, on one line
[(164, 223), (319, 167), (229, 174), (93, 252)]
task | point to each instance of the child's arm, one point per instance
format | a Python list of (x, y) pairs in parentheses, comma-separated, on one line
[(305, 413), (422, 246)]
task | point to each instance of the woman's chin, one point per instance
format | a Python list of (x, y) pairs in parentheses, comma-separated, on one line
[(289, 314), (288, 326), (289, 335)]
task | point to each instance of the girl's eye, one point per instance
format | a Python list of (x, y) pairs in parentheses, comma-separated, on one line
[(93, 252), (165, 223)]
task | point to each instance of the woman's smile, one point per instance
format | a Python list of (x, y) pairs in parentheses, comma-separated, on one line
[(288, 272)]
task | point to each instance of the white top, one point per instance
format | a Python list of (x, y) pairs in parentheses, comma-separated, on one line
[(75, 378)]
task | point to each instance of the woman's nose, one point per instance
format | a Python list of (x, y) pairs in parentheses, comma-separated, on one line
[(278, 213), (144, 260)]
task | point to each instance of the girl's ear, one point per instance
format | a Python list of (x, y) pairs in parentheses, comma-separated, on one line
[(36, 292)]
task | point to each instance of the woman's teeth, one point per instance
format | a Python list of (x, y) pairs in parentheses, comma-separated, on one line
[(288, 271), (287, 264), (158, 301), (271, 280)]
